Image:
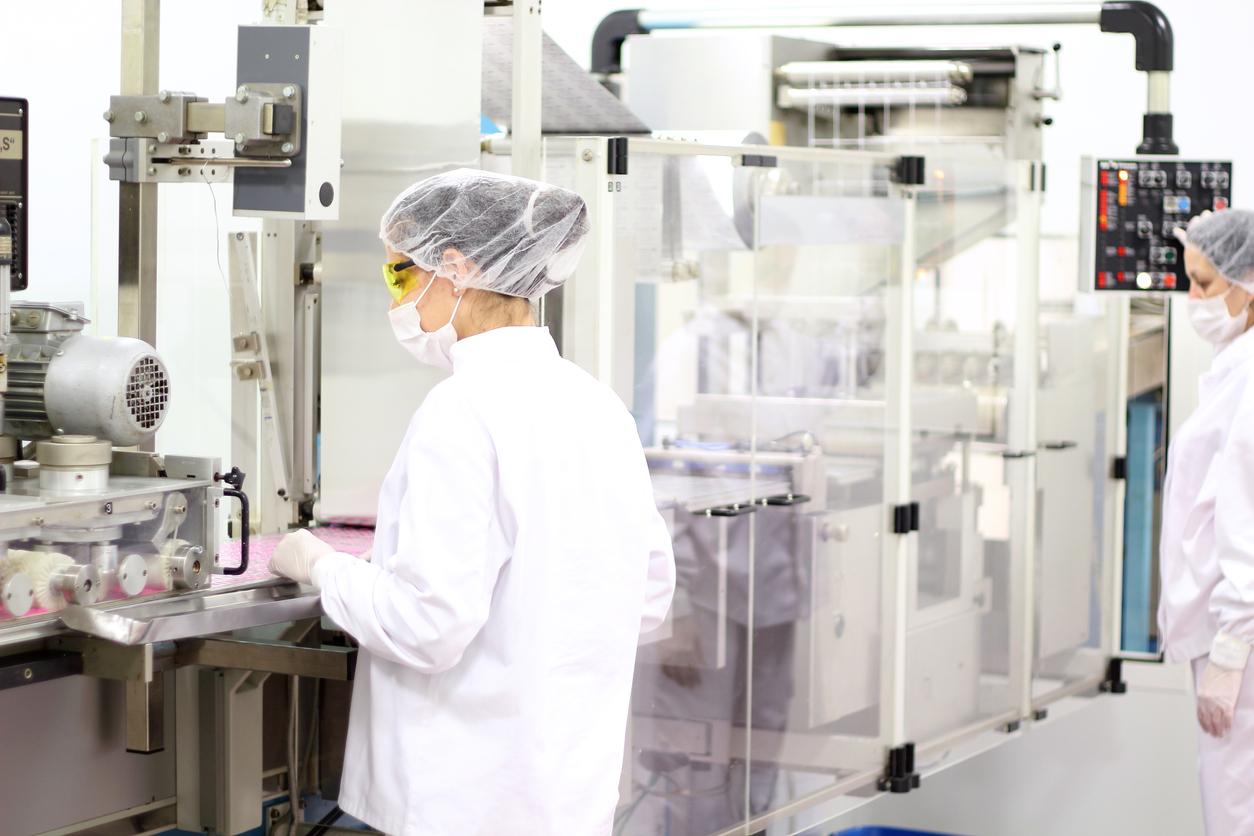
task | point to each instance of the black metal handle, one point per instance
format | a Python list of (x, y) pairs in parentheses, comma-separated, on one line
[(236, 480)]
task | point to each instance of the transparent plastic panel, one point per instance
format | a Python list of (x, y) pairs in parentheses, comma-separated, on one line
[(694, 355), (829, 240), (1074, 488), (960, 665)]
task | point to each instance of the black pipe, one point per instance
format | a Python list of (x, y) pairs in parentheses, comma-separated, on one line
[(607, 40), (1155, 44), (1155, 53)]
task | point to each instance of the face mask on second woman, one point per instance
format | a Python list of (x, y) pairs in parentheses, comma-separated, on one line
[(1213, 322)]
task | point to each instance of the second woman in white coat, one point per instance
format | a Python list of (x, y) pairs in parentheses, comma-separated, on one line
[(1206, 611)]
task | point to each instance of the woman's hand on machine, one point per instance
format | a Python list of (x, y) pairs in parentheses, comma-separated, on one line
[(297, 554)]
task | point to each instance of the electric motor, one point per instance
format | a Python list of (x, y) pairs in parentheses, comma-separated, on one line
[(63, 382)]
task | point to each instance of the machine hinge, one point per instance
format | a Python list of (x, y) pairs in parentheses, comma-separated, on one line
[(616, 155), (899, 775), (906, 518), (1119, 468), (1037, 183), (1114, 684), (910, 171), (759, 160)]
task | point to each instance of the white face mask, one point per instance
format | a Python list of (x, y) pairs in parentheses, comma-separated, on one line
[(430, 347), (1212, 321)]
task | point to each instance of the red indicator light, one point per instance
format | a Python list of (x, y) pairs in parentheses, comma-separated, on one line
[(1121, 276), (1221, 203), (1169, 280), (1105, 178)]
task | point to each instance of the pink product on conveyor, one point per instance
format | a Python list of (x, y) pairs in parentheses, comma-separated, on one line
[(347, 539)]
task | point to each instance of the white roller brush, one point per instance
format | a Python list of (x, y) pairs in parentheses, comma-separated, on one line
[(57, 580), (17, 595)]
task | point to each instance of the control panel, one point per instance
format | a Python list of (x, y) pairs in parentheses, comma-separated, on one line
[(1134, 205), (13, 201)]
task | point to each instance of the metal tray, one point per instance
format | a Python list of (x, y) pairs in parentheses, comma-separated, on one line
[(201, 614)]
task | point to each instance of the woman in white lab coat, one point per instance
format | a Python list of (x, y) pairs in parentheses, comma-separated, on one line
[(1206, 612), (518, 551)]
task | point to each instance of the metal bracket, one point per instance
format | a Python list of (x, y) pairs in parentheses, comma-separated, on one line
[(906, 518), (899, 775), (616, 155), (1114, 684), (38, 666), (279, 657), (910, 171)]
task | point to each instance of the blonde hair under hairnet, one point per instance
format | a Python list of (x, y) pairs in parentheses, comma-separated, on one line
[(516, 236)]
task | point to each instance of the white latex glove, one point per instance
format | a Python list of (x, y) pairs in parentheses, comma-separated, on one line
[(1220, 684), (366, 555), (297, 554)]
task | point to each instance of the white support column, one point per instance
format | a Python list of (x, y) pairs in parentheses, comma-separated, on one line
[(598, 314), (1117, 336), (897, 548), (1022, 433), (525, 127)]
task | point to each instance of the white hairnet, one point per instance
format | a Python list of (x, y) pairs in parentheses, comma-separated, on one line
[(517, 237), (1227, 239)]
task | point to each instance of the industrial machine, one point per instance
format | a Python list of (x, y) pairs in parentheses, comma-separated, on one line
[(892, 473), (887, 468)]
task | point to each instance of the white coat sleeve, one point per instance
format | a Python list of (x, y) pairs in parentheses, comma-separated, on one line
[(427, 609), (660, 587), (1232, 602)]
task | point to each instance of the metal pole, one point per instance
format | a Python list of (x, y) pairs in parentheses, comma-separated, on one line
[(1159, 95), (525, 124), (137, 202), (1022, 437), (897, 548), (976, 15)]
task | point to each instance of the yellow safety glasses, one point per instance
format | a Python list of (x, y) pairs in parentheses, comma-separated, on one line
[(400, 277)]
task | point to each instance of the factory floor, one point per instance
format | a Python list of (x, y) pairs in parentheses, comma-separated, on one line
[(1112, 765)]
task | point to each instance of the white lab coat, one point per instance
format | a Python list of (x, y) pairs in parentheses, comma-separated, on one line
[(1207, 563), (518, 556)]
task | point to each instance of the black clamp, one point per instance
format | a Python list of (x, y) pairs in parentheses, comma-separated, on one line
[(910, 171), (1119, 468), (616, 155), (1058, 445), (905, 518), (759, 160), (899, 776), (1114, 682), (236, 491)]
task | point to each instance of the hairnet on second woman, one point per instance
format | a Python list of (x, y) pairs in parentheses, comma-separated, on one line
[(519, 237), (1227, 239)]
